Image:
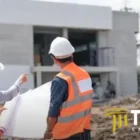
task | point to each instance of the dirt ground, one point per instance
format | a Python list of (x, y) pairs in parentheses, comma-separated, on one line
[(102, 126)]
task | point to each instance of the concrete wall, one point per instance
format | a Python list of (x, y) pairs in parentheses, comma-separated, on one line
[(31, 12), (124, 43), (122, 39), (125, 21), (16, 50), (16, 44), (11, 73)]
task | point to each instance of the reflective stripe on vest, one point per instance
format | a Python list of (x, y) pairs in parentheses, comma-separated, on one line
[(77, 99), (74, 117)]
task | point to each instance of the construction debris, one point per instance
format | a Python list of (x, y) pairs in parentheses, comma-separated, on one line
[(102, 126)]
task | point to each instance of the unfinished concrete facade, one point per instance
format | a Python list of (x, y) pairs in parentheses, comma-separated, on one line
[(122, 39), (113, 30)]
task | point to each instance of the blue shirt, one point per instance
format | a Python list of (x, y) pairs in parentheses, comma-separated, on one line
[(59, 94)]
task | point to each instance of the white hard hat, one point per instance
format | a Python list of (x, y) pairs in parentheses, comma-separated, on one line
[(1, 66), (61, 48)]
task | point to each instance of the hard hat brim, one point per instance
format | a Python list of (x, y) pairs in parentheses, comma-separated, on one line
[(64, 56)]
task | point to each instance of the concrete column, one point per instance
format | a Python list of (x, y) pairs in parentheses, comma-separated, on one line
[(39, 77), (102, 41), (16, 44), (65, 32), (104, 78), (118, 84)]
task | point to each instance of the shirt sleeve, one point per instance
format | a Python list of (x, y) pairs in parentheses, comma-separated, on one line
[(59, 94), (9, 94)]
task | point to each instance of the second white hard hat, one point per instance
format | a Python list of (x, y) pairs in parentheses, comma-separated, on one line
[(61, 48)]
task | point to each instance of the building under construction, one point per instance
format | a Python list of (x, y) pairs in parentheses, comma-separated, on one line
[(104, 40)]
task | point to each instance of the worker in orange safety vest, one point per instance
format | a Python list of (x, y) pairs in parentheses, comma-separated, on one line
[(71, 96)]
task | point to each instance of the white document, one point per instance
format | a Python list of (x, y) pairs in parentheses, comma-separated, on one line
[(26, 114)]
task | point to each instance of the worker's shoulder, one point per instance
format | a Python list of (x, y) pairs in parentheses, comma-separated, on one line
[(83, 70), (59, 81)]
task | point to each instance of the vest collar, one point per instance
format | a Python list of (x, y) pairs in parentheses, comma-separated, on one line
[(68, 66)]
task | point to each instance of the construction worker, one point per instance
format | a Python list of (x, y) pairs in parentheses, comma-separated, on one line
[(71, 96), (13, 91), (111, 89)]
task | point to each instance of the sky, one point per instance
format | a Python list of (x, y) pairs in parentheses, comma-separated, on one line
[(114, 4)]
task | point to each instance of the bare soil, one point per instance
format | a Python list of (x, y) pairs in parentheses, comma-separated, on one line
[(102, 126)]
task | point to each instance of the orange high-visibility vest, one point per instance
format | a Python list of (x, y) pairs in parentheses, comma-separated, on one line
[(75, 113)]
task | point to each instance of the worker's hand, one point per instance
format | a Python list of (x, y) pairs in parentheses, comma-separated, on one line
[(2, 109), (23, 78), (48, 135)]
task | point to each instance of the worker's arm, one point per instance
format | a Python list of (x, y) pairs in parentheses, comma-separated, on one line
[(59, 94), (13, 91)]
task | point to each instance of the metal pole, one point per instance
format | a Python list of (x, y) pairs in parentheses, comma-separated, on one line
[(117, 83)]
